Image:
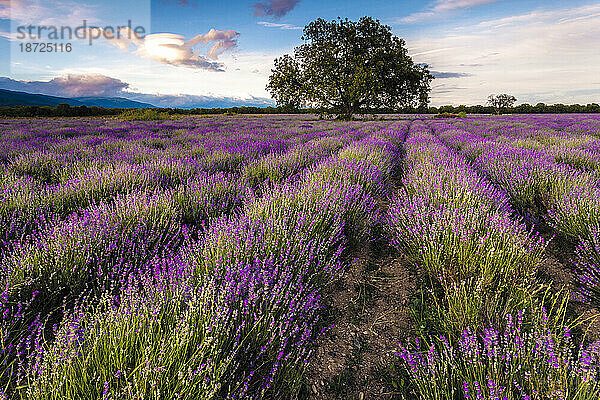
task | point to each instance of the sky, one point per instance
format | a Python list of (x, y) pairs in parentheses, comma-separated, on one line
[(178, 52)]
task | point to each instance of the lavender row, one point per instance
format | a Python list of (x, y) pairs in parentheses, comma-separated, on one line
[(29, 198), (480, 262), (232, 315), (460, 230), (566, 199)]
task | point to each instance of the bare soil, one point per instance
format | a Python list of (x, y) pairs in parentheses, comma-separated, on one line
[(371, 312), (558, 270)]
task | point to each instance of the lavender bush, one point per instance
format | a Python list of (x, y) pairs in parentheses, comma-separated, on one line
[(460, 230), (588, 264), (520, 361)]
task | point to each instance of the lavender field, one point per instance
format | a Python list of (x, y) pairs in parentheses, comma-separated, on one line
[(203, 258)]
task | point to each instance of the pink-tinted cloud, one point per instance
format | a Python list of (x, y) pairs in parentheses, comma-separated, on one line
[(4, 9), (72, 85), (224, 40), (274, 8), (48, 12), (174, 49), (89, 85)]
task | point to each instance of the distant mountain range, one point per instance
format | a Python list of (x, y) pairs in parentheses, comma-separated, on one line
[(198, 101), (9, 98), (112, 102), (108, 92)]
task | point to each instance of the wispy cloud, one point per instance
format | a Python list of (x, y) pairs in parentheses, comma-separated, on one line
[(286, 27), (52, 12), (174, 49), (444, 88), (182, 3), (72, 85), (564, 16), (274, 8), (425, 52), (442, 7), (446, 75), (447, 5), (538, 56)]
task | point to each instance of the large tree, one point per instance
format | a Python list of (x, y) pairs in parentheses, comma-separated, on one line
[(501, 102), (345, 66)]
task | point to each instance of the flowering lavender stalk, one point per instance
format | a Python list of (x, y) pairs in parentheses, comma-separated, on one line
[(460, 230), (517, 362), (588, 264)]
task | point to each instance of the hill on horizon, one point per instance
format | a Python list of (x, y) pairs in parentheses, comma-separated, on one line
[(11, 98)]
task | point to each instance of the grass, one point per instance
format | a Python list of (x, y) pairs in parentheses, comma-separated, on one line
[(147, 114)]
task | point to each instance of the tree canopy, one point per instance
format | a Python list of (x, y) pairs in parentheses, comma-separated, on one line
[(501, 102), (345, 66)]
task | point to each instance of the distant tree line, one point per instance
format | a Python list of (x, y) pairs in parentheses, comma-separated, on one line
[(539, 108), (61, 110), (64, 110)]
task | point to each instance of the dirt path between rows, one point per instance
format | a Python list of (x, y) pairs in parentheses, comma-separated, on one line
[(369, 311), (369, 307), (558, 269)]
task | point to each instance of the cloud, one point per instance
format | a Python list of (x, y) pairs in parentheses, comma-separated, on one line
[(195, 101), (547, 55), (447, 5), (274, 8), (421, 53), (280, 26), (445, 88), (72, 85), (445, 75), (5, 9), (89, 85), (96, 85), (224, 40), (182, 3), (48, 12), (174, 49), (442, 7)]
